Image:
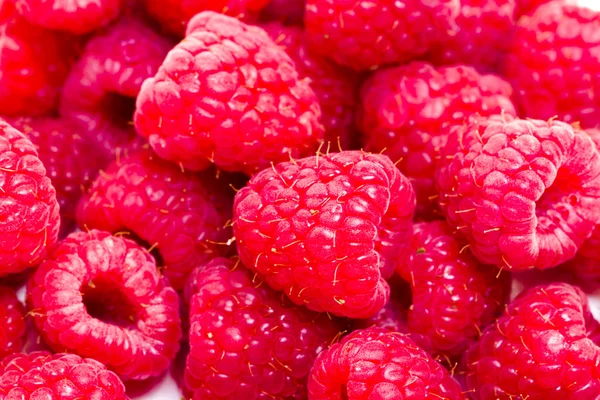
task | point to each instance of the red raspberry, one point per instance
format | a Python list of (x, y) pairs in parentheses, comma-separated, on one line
[(174, 15), (182, 215), (407, 111), (325, 229), (523, 192), (228, 94), (79, 17), (364, 35), (379, 364), (528, 6), (555, 64), (246, 341), (12, 323), (102, 297), (539, 349), (41, 375), (288, 12), (109, 75), (33, 65), (453, 296), (334, 86), (483, 37), (29, 218)]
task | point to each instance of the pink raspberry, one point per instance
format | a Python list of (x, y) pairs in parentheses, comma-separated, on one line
[(335, 87), (540, 348), (102, 297), (378, 364), (288, 12), (41, 375), (554, 64), (247, 341), (109, 74), (408, 110), (174, 15), (523, 192), (34, 63), (180, 214), (29, 218), (325, 229), (12, 323), (228, 94), (78, 17), (365, 35), (483, 37)]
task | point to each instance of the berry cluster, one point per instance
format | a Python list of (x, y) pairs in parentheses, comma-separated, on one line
[(299, 199)]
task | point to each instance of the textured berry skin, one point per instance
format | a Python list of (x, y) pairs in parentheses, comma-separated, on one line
[(101, 296), (523, 192), (288, 12), (483, 37), (12, 322), (365, 35), (378, 364), (174, 15), (182, 215), (41, 375), (540, 348), (246, 340), (334, 86), (79, 17), (325, 229), (33, 65), (30, 219), (228, 94), (554, 64), (453, 296), (408, 110), (111, 70)]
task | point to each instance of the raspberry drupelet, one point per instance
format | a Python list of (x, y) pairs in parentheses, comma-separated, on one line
[(407, 111), (101, 296), (12, 322), (378, 364), (540, 348), (325, 229), (228, 94), (183, 216), (29, 210), (523, 192), (366, 35), (246, 340)]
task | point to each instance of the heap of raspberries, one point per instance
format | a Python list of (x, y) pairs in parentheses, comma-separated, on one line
[(299, 199)]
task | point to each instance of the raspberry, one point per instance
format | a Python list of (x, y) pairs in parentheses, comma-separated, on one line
[(453, 296), (41, 375), (523, 192), (246, 341), (228, 94), (539, 348), (108, 77), (554, 64), (288, 12), (29, 219), (379, 364), (483, 37), (33, 65), (334, 86), (78, 17), (182, 215), (364, 35), (408, 110), (528, 6), (102, 297), (12, 322), (174, 15), (71, 158), (325, 229)]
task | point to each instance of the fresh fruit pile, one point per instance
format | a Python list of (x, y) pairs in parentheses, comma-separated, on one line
[(299, 199)]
